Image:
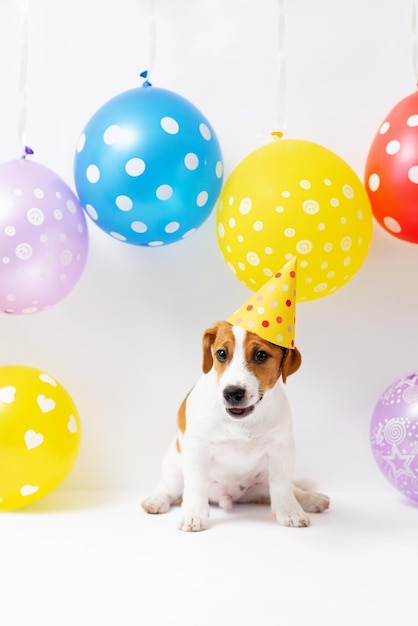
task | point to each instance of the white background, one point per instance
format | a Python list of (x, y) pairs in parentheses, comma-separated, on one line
[(126, 342)]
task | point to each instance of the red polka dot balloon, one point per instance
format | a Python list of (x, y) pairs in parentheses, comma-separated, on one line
[(391, 173)]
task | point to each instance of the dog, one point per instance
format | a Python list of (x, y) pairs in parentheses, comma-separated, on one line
[(234, 439)]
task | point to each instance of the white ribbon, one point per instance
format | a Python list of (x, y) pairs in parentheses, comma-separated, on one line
[(23, 73), (152, 42), (281, 56), (414, 40), (152, 33)]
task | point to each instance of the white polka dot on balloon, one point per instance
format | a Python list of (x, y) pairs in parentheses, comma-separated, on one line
[(92, 212), (139, 227), (191, 161), (205, 132), (384, 128), (188, 233), (117, 236), (135, 167), (124, 203), (392, 225), (413, 174), (172, 227), (93, 173), (112, 134), (81, 142), (374, 182), (202, 198), (245, 205), (35, 216), (170, 125), (253, 259), (310, 206), (393, 147), (412, 121), (164, 192)]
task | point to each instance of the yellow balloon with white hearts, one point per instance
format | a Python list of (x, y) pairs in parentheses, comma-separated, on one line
[(293, 198), (40, 435)]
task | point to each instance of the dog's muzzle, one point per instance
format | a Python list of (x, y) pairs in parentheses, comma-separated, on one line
[(234, 397), (235, 412)]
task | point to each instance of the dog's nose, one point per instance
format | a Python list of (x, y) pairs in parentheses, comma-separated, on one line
[(234, 394)]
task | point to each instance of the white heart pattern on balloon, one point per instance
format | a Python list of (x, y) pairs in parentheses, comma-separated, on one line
[(45, 404)]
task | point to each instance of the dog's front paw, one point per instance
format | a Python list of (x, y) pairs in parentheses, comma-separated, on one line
[(294, 517), (194, 522)]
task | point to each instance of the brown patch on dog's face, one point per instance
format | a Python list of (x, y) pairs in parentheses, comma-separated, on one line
[(219, 341), (266, 360)]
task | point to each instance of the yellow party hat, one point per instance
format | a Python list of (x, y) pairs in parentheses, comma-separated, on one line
[(270, 312)]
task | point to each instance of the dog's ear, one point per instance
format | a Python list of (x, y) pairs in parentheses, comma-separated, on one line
[(291, 362), (209, 337)]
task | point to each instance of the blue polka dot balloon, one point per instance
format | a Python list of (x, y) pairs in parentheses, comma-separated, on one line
[(148, 167)]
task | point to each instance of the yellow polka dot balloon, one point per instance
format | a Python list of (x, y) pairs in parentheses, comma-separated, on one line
[(39, 435), (294, 198)]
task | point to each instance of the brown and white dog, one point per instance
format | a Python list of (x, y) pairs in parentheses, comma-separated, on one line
[(235, 438)]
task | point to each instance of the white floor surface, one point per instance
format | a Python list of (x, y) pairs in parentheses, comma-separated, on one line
[(95, 558)]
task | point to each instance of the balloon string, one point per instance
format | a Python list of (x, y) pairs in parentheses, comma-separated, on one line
[(281, 104), (414, 40), (152, 36), (23, 76)]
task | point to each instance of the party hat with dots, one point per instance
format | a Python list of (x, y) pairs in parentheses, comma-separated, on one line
[(270, 312)]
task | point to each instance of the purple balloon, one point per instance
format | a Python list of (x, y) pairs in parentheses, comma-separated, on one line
[(43, 238), (394, 435)]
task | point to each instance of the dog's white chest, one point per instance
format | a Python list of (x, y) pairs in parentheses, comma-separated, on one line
[(236, 457), (236, 467)]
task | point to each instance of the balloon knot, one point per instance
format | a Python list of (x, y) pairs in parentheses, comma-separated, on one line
[(27, 152), (146, 82), (277, 134)]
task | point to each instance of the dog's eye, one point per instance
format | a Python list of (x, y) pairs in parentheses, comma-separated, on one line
[(260, 356), (221, 355)]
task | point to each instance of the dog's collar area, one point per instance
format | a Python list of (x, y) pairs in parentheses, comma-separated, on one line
[(239, 413)]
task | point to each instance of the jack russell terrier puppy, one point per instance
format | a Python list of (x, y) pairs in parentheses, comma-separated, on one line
[(235, 440)]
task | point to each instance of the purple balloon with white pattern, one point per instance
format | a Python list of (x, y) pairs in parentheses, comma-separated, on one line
[(394, 435), (43, 238)]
